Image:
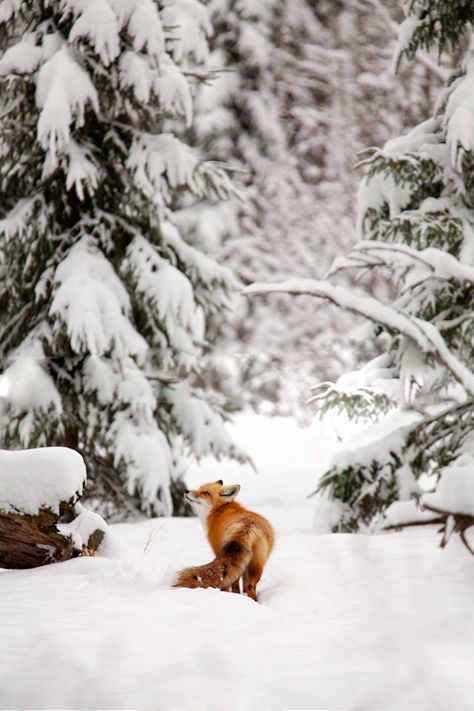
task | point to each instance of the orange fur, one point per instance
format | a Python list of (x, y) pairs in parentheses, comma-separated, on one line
[(241, 540)]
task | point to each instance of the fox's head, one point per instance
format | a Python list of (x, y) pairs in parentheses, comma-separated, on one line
[(210, 496)]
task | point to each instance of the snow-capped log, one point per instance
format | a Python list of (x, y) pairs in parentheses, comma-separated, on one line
[(38, 489)]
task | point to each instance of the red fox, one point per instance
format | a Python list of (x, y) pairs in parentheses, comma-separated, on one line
[(241, 540)]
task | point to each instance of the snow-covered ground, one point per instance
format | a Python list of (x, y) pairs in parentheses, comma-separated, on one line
[(344, 621)]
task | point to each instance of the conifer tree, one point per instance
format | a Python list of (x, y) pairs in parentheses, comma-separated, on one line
[(415, 222), (103, 302)]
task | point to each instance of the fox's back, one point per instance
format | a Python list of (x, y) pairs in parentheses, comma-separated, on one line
[(232, 521)]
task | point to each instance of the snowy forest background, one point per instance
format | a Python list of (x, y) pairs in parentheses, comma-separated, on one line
[(158, 159)]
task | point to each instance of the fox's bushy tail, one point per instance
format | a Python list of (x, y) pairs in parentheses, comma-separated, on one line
[(226, 568)]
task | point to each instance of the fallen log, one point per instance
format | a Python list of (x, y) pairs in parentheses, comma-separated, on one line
[(41, 519)]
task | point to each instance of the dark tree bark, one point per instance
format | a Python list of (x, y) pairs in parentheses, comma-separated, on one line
[(31, 541)]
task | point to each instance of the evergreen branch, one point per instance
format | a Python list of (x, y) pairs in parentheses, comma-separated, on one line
[(457, 410), (352, 261), (424, 334), (409, 289), (410, 524), (442, 265), (369, 247), (452, 323), (423, 57)]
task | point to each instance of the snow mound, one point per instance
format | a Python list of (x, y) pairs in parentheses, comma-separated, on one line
[(83, 526), (455, 491), (33, 479)]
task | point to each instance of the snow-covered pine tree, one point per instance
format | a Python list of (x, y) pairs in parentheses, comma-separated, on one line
[(416, 223), (103, 302), (303, 86)]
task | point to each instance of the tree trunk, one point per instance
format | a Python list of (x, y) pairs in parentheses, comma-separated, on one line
[(71, 437)]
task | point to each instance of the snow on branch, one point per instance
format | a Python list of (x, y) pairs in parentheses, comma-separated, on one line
[(190, 26), (8, 10), (24, 57), (82, 173), (25, 384), (173, 90), (93, 305), (145, 27), (146, 453), (101, 21), (459, 117), (201, 424), (163, 162), (454, 493), (98, 24), (169, 290), (63, 90), (200, 265), (154, 156), (424, 334), (439, 263), (17, 220)]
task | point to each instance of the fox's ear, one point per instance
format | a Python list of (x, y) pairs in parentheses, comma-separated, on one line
[(219, 481), (230, 492)]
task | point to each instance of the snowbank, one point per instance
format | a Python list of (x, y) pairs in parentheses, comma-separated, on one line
[(345, 622)]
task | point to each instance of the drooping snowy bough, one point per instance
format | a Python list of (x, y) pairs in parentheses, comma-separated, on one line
[(41, 519)]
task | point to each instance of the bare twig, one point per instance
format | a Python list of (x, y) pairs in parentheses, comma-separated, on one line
[(154, 533)]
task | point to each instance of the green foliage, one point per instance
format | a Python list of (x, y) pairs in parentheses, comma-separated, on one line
[(421, 173), (441, 25), (359, 404), (419, 230), (435, 441), (364, 490)]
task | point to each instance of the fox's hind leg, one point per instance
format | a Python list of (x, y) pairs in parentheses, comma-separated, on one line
[(251, 577), (235, 587)]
